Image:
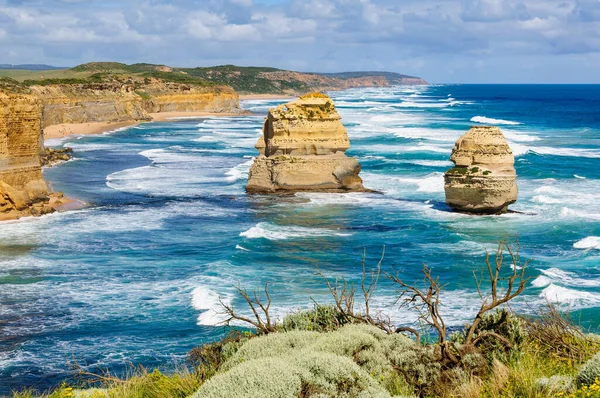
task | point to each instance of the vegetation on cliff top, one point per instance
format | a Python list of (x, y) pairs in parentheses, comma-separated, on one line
[(242, 79), (348, 349)]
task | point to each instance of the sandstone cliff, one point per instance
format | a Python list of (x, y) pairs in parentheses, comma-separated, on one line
[(484, 180), (23, 191), (302, 149), (26, 109), (114, 102)]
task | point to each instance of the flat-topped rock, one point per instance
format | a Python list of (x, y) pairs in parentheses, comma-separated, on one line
[(484, 180), (302, 149)]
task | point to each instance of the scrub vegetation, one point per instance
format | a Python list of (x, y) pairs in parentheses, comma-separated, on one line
[(347, 348)]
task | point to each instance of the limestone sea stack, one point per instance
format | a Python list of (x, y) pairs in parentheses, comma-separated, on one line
[(302, 149), (23, 191), (484, 180)]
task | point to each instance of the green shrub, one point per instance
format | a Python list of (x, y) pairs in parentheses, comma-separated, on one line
[(590, 371), (322, 318), (502, 322), (304, 374), (389, 360)]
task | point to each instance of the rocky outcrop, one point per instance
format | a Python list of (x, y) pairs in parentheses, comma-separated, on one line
[(484, 180), (302, 149), (23, 191), (50, 156), (114, 102)]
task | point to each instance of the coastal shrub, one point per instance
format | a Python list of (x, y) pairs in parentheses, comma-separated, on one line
[(307, 374), (556, 384), (388, 358), (501, 322), (321, 318), (590, 371)]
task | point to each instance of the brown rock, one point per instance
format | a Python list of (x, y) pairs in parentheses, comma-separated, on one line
[(302, 149), (484, 180)]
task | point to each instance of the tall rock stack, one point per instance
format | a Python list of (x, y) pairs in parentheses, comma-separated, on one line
[(484, 180), (23, 191), (302, 149)]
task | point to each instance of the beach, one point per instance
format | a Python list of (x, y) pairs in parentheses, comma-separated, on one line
[(68, 129)]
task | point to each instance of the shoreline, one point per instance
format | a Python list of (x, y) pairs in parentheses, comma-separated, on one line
[(266, 96), (68, 129), (90, 128)]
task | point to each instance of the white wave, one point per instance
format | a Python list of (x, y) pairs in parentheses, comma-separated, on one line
[(566, 212), (545, 199), (488, 120), (271, 231), (432, 163), (445, 135), (591, 242), (239, 172), (427, 148), (558, 294), (412, 104), (207, 301), (433, 182), (239, 247), (541, 281), (518, 149), (574, 152), (519, 136), (580, 177)]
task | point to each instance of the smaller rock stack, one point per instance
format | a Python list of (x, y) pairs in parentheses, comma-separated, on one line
[(302, 149), (484, 180)]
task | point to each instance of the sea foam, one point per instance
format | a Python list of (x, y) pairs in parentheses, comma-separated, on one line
[(488, 120), (271, 231), (591, 242)]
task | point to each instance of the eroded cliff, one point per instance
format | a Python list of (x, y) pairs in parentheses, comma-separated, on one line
[(115, 102), (302, 149), (484, 180), (23, 191), (26, 109)]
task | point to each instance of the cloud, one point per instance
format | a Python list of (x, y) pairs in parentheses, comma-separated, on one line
[(442, 40)]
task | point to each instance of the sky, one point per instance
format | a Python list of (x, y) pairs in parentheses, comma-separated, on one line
[(443, 41)]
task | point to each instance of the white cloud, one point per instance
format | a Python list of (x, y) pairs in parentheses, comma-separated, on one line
[(440, 39)]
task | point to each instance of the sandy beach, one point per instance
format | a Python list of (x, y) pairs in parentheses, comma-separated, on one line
[(64, 130), (265, 96), (67, 129)]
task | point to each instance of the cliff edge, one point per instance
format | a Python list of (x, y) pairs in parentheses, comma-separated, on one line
[(23, 191), (302, 149)]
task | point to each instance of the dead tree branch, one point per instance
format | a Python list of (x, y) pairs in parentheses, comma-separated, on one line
[(261, 319)]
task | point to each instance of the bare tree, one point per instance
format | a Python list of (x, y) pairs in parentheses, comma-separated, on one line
[(426, 300), (344, 299), (516, 283), (261, 320)]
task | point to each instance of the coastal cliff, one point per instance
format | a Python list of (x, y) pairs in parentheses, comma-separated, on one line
[(302, 149), (23, 191), (484, 180), (26, 109), (115, 102)]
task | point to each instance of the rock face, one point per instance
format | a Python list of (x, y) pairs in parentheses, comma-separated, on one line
[(302, 149), (484, 180), (23, 190), (114, 102)]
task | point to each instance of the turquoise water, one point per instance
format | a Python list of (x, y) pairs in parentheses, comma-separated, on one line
[(135, 277)]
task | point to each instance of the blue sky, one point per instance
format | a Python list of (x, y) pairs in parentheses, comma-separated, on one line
[(444, 41)]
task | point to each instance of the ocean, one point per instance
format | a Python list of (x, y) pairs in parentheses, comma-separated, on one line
[(136, 277)]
